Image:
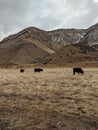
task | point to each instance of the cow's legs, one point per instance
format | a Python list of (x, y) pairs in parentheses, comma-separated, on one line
[(73, 72)]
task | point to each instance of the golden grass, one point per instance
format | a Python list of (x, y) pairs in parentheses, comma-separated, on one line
[(51, 100)]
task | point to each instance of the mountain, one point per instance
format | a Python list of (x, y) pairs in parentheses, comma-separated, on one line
[(91, 36), (75, 55), (58, 47), (65, 36), (29, 46), (87, 37), (32, 34)]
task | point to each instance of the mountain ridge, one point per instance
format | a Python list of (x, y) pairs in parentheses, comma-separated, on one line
[(33, 45)]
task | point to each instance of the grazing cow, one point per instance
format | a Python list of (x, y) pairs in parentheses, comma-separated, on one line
[(78, 70), (22, 70), (38, 70)]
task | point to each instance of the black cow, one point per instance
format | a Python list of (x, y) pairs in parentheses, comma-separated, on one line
[(78, 70), (22, 70), (38, 70)]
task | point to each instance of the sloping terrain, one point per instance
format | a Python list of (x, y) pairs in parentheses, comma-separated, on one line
[(58, 47), (87, 37), (21, 53), (41, 46), (65, 36), (74, 55), (34, 34), (91, 37), (27, 47)]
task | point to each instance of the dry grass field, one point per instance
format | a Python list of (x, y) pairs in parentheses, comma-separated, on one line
[(54, 99)]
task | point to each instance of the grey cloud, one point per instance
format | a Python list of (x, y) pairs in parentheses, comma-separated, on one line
[(13, 12), (46, 14)]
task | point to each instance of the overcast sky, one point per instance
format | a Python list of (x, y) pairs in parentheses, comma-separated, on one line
[(16, 15)]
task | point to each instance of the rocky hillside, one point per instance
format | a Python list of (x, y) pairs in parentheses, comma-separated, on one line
[(74, 55), (32, 34), (65, 36), (91, 36), (59, 47), (29, 46), (87, 37)]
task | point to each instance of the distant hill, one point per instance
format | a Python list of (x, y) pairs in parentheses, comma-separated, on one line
[(27, 47), (62, 47), (74, 55)]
